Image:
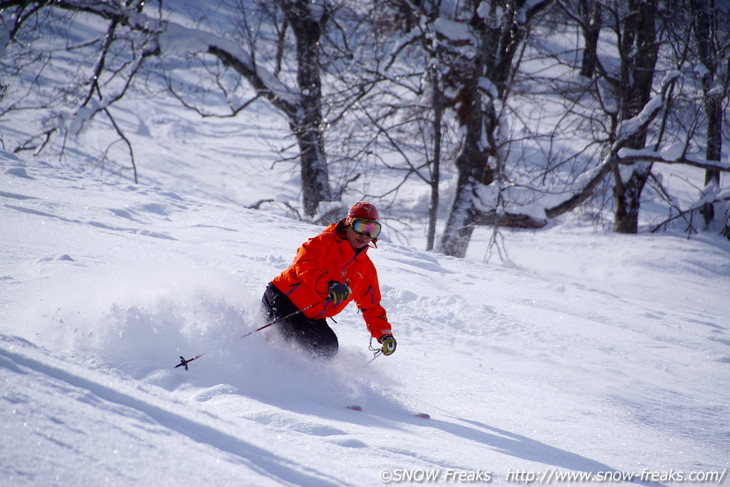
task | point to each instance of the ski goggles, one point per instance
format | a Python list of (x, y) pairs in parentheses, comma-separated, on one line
[(362, 226)]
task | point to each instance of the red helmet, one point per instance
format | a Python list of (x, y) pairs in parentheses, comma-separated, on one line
[(363, 209)]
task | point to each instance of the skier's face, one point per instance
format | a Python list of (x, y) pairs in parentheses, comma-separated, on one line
[(357, 240)]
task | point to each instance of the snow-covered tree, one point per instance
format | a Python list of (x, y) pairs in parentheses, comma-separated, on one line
[(484, 39), (634, 108)]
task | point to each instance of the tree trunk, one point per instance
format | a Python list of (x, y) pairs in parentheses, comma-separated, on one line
[(471, 164), (591, 25), (705, 20), (627, 205), (438, 109), (638, 55), (713, 109), (460, 225), (501, 29), (307, 126)]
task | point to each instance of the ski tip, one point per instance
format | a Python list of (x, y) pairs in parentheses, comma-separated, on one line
[(354, 407), (423, 415)]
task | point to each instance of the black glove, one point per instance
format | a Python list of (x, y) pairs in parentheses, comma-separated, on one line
[(388, 343), (338, 292)]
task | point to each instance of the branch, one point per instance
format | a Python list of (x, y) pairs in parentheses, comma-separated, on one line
[(696, 207), (263, 82), (630, 156), (587, 182), (590, 180), (128, 16), (627, 129), (509, 220), (124, 138)]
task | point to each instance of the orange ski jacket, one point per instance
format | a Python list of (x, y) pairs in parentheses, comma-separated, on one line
[(330, 257)]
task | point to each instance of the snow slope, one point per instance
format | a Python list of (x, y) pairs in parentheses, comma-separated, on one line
[(584, 352)]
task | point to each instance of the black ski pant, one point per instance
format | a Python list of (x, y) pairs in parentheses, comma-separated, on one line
[(313, 335)]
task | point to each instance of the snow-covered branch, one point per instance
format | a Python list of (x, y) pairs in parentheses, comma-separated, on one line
[(629, 128), (668, 156), (128, 16), (586, 183)]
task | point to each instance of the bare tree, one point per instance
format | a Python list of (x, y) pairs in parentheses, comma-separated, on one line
[(636, 33), (119, 54), (387, 83), (713, 44), (408, 103), (712, 37), (624, 93), (308, 20), (277, 51), (131, 37), (431, 46)]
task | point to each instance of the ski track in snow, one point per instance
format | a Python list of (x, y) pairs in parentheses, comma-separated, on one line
[(137, 414), (137, 410)]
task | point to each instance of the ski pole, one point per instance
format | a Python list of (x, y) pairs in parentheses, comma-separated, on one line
[(377, 352), (184, 362), (375, 355)]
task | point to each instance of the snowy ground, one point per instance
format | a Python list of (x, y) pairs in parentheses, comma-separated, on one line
[(584, 352)]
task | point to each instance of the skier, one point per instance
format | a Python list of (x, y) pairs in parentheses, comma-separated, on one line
[(328, 272)]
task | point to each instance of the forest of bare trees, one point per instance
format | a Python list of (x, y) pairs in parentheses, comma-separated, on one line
[(540, 107)]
